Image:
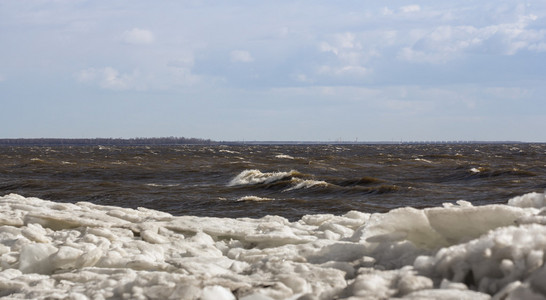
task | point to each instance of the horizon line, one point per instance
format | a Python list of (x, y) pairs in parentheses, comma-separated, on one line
[(184, 140)]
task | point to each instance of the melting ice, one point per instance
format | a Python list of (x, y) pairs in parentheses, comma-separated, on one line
[(87, 251)]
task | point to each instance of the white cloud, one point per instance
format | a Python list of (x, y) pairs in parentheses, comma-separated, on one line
[(347, 40), (347, 70), (515, 36), (351, 56), (241, 56), (169, 75), (538, 47), (514, 93), (325, 47), (410, 8), (387, 11), (137, 36), (185, 61), (340, 42), (408, 107), (442, 44), (445, 43), (417, 56), (339, 93), (418, 100), (109, 78), (301, 78), (87, 76), (180, 73)]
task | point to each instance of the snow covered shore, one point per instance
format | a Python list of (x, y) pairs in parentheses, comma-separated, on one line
[(459, 251)]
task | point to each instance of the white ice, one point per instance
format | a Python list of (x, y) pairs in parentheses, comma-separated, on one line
[(52, 250)]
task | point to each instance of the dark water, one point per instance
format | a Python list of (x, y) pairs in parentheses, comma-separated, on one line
[(295, 179)]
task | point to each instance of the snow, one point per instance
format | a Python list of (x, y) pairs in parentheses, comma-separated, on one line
[(458, 251)]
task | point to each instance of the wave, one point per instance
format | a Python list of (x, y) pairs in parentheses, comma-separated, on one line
[(484, 173), (229, 151), (458, 251), (254, 198), (423, 160), (487, 172), (358, 181), (285, 156), (306, 184), (162, 185), (294, 181), (477, 170), (253, 177)]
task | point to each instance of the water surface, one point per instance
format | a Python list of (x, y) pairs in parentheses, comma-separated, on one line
[(286, 180)]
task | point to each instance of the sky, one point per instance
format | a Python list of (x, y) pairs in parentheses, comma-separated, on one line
[(274, 70)]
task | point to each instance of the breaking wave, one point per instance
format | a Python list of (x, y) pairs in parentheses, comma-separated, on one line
[(305, 184), (293, 181), (252, 177), (285, 156), (254, 198)]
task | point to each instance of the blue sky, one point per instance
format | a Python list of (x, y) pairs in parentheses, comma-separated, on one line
[(274, 70)]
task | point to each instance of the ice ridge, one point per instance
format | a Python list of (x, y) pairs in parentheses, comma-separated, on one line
[(52, 250)]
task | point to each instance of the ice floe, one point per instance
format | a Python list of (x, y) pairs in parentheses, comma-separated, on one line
[(52, 250)]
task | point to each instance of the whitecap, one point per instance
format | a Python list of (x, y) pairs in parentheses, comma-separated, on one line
[(477, 170), (251, 177), (162, 185), (285, 156), (254, 198), (423, 160), (305, 184), (228, 151)]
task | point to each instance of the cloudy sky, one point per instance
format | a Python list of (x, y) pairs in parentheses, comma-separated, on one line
[(274, 70)]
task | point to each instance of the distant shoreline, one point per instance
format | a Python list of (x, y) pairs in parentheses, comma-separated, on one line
[(196, 141)]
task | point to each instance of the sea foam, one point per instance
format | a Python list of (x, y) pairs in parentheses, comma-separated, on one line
[(87, 251)]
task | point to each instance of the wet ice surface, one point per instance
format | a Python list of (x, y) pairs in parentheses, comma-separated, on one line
[(459, 251)]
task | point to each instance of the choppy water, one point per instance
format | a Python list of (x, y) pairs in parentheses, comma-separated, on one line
[(286, 180)]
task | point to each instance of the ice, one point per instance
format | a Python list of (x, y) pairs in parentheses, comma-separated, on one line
[(535, 200), (35, 258), (216, 292), (88, 251)]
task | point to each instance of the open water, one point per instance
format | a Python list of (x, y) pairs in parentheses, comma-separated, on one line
[(285, 180)]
